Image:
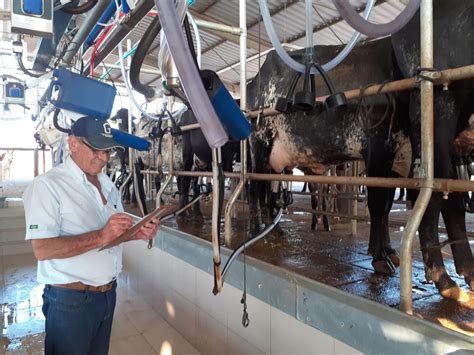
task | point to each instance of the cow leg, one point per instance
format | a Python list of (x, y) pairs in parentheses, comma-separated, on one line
[(385, 259), (196, 191), (446, 116), (257, 198), (327, 226), (429, 241), (455, 220), (183, 183)]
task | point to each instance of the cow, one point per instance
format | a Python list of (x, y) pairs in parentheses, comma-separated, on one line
[(331, 136), (198, 154), (454, 104), (312, 140), (190, 152)]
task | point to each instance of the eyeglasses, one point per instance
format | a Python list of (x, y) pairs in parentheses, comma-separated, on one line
[(95, 151)]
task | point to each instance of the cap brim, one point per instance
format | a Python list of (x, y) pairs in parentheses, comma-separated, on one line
[(103, 143)]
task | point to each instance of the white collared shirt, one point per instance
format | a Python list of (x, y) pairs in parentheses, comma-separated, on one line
[(64, 203)]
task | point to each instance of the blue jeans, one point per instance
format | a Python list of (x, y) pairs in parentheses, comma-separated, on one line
[(78, 322)]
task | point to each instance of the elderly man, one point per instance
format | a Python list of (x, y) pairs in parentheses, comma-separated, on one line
[(72, 211)]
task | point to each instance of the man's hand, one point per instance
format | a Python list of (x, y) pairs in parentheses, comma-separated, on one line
[(116, 225), (148, 231)]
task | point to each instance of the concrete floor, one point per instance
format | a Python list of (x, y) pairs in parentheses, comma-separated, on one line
[(137, 328)]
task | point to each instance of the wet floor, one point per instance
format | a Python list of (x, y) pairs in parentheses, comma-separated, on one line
[(137, 328), (21, 319), (340, 260)]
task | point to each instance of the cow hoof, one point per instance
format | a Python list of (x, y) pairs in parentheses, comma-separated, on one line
[(451, 290), (382, 267), (394, 258), (470, 282), (455, 293)]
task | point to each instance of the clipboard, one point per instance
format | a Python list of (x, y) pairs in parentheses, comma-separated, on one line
[(159, 213)]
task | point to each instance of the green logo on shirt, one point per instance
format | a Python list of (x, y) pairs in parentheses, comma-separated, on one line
[(33, 226)]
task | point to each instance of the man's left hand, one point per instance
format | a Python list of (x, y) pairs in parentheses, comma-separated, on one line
[(148, 231)]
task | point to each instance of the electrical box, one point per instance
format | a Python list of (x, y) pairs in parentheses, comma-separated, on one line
[(12, 92), (33, 17)]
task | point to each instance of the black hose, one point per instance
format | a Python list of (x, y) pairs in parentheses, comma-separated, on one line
[(19, 60), (75, 10), (326, 78), (56, 123), (142, 49)]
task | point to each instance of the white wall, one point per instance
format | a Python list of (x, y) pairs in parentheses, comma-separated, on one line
[(182, 294)]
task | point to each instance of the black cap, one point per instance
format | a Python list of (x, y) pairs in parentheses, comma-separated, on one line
[(96, 132)]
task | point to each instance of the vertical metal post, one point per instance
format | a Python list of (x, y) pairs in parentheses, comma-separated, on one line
[(354, 201), (243, 107), (309, 25), (215, 221), (427, 131), (130, 130)]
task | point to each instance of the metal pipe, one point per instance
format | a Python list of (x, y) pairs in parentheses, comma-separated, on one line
[(427, 131), (215, 223), (443, 185), (121, 31), (24, 149), (170, 176), (441, 78), (190, 127), (142, 70), (243, 105), (85, 28), (355, 168), (309, 26), (218, 26), (124, 184)]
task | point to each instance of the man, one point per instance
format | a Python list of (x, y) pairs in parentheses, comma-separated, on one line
[(71, 211)]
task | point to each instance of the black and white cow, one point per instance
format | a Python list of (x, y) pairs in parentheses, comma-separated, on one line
[(377, 134), (313, 140)]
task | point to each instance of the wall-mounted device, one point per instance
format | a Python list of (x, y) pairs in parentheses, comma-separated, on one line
[(12, 92), (33, 17)]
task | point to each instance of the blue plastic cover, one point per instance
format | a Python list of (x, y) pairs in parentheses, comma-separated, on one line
[(233, 120), (130, 140), (80, 94)]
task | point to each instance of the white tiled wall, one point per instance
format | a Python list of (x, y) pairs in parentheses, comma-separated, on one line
[(182, 294)]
